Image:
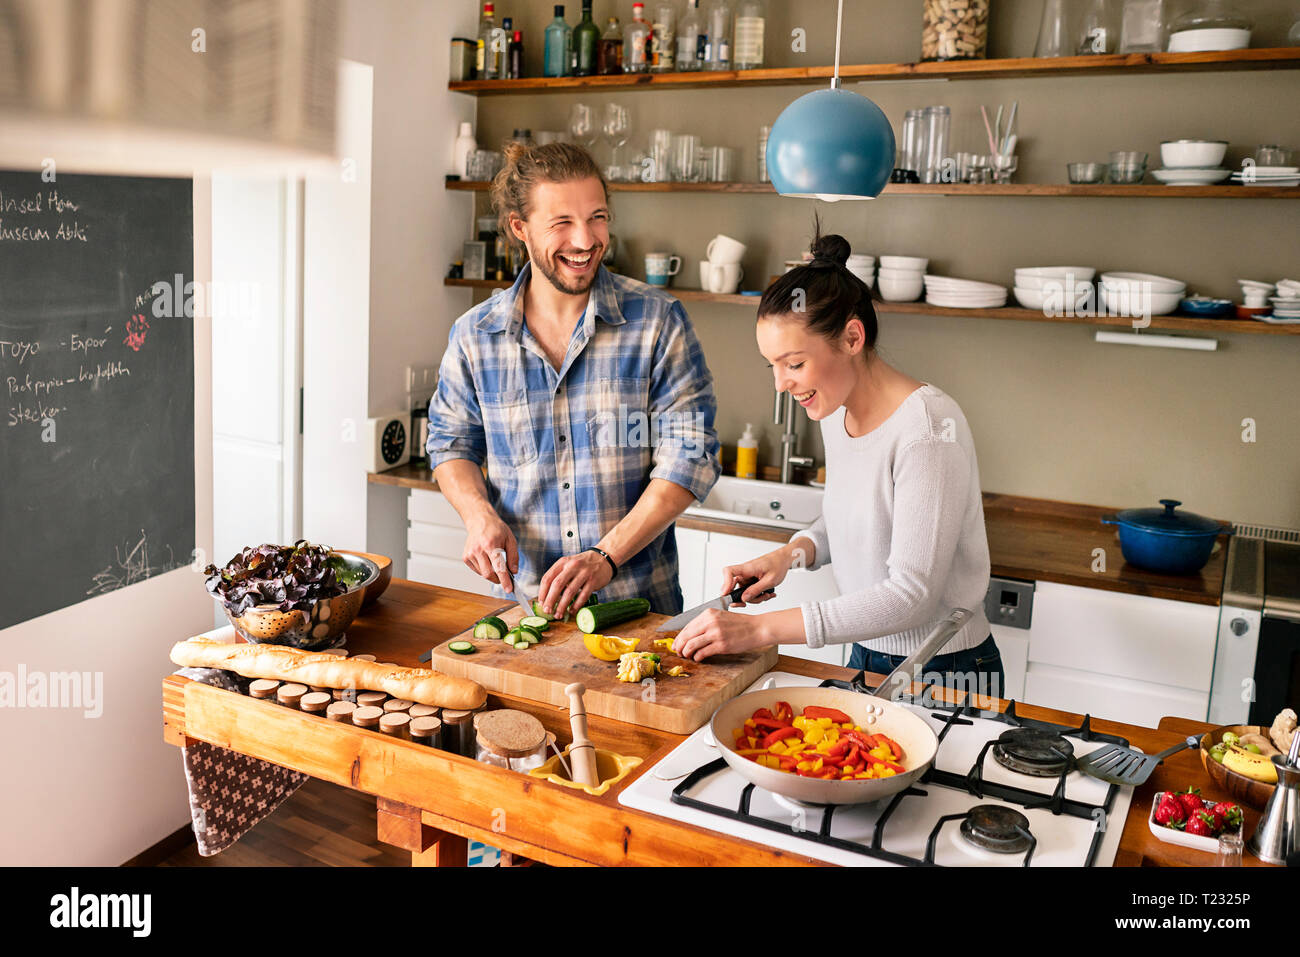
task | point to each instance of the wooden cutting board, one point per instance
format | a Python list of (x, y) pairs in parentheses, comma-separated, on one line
[(676, 705)]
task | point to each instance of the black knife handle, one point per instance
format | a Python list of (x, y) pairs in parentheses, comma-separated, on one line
[(740, 590)]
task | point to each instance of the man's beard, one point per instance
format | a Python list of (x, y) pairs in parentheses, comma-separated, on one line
[(550, 270)]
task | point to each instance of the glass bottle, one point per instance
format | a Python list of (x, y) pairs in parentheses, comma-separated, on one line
[(483, 45), (516, 56), (559, 39), (751, 22), (1057, 29), (609, 59), (717, 48), (663, 38), (586, 40), (1142, 26), (1099, 31), (636, 42), (691, 37)]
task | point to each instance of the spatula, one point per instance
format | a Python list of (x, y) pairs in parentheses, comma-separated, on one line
[(1116, 764)]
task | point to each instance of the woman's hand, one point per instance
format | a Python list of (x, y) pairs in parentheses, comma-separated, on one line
[(769, 569), (571, 581), (716, 632)]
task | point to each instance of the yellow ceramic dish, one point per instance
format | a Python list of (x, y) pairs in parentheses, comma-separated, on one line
[(610, 769)]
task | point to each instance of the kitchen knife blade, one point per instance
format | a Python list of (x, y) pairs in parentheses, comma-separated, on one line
[(499, 564), (722, 602)]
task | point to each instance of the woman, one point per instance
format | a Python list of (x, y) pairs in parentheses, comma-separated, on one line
[(902, 521)]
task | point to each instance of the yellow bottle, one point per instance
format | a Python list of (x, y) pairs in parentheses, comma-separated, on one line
[(747, 454)]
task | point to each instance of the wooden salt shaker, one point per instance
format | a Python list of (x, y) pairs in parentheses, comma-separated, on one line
[(582, 753)]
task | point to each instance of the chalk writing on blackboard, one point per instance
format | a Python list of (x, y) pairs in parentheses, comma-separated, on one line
[(131, 564)]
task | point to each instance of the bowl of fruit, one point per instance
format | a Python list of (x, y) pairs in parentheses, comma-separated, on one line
[(1239, 758), (1185, 818)]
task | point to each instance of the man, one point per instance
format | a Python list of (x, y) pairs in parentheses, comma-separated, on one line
[(587, 397)]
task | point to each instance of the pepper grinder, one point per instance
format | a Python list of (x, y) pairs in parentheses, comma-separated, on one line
[(582, 753), (1278, 834)]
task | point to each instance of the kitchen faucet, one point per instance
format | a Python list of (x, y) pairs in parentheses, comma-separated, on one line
[(783, 414)]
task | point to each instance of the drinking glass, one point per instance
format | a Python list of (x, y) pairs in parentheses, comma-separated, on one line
[(1229, 854), (582, 125), (661, 146), (723, 161), (616, 125), (1272, 156), (685, 146)]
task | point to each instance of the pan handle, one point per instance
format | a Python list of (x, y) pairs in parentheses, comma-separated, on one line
[(899, 680)]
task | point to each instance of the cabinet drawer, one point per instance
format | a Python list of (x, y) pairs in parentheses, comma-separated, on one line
[(1119, 699), (432, 507), (437, 540), (1128, 636), (444, 572)]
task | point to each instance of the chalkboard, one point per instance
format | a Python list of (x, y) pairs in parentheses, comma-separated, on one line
[(97, 374)]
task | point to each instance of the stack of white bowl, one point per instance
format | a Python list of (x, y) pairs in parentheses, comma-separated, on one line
[(1067, 284), (1192, 162), (963, 293), (1125, 293), (902, 278), (862, 266)]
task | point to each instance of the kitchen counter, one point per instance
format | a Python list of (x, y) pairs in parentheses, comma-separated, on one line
[(431, 803), (1029, 538)]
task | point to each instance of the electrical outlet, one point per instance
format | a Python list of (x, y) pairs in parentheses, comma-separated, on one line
[(421, 378)]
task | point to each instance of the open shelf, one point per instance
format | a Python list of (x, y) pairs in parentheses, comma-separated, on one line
[(1178, 323), (1100, 65), (1111, 190)]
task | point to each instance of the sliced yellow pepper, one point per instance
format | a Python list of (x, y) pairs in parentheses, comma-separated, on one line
[(608, 647)]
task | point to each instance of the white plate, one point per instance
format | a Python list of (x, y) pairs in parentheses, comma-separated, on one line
[(1269, 182), (947, 283), (1172, 835), (965, 304), (1276, 170), (1280, 321), (1190, 177)]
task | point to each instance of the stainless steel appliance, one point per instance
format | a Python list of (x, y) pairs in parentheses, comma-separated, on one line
[(1257, 659)]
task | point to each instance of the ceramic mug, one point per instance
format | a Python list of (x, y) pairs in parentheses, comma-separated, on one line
[(660, 267), (724, 249), (720, 277)]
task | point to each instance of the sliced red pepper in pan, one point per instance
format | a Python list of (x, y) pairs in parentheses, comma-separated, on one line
[(780, 734), (762, 713), (839, 717), (771, 724), (784, 712)]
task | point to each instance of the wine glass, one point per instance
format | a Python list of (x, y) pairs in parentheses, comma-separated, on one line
[(616, 125), (582, 125)]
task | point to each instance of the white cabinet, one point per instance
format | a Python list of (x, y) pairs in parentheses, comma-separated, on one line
[(435, 543), (1120, 656), (703, 556), (1013, 644)]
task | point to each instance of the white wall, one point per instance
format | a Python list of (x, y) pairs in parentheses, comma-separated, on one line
[(97, 791)]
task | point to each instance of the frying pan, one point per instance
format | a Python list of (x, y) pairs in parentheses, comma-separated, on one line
[(917, 738)]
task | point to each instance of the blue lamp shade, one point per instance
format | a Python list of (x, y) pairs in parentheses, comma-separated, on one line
[(831, 145)]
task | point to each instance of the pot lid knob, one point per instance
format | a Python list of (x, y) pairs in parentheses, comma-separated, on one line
[(1170, 504)]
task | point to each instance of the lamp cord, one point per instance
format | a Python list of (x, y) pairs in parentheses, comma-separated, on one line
[(839, 25)]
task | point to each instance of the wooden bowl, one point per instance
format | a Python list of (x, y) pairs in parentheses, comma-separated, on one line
[(377, 587), (1240, 788)]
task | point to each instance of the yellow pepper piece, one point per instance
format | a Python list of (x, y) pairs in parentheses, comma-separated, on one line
[(801, 723), (813, 735), (608, 647), (887, 772), (664, 643), (824, 722)]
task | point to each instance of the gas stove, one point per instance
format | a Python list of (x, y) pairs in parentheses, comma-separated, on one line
[(1002, 792)]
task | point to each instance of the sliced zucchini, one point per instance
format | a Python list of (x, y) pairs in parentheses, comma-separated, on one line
[(490, 628), (463, 647), (595, 619), (536, 622)]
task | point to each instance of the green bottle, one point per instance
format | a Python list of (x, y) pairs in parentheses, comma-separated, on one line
[(586, 41)]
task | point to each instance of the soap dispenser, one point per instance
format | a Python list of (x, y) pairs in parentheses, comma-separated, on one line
[(747, 454)]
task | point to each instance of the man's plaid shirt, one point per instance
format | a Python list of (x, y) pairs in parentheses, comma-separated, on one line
[(569, 454)]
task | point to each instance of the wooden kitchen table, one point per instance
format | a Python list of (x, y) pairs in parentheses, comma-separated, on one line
[(432, 803)]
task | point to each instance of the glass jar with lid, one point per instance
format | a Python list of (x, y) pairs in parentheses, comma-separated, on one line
[(510, 739), (1210, 25), (954, 29)]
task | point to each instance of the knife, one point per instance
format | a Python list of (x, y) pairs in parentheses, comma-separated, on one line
[(722, 602), (499, 564)]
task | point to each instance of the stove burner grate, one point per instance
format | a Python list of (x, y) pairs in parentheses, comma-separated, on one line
[(993, 827), (1034, 751)]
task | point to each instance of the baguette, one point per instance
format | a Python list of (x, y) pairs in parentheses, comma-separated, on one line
[(330, 671)]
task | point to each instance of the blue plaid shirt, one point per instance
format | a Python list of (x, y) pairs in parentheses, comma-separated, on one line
[(569, 453)]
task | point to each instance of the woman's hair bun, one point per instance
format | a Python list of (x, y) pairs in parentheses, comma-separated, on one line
[(833, 248)]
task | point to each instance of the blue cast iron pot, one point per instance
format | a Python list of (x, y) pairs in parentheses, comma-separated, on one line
[(1162, 540)]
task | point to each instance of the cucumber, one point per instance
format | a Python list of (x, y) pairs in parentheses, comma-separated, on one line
[(512, 637), (463, 647), (595, 619), (490, 627), (536, 622), (525, 634), (537, 610)]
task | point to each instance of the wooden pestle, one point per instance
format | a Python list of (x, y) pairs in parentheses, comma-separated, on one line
[(582, 753)]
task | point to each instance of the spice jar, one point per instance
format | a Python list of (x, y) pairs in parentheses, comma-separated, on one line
[(290, 694), (344, 694), (363, 657), (954, 29), (510, 739), (424, 711), (394, 705), (458, 732), (341, 711), (367, 717), (426, 731), (371, 699), (396, 723), (263, 689), (315, 702)]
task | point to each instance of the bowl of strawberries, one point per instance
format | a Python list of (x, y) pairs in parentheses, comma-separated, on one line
[(1186, 818)]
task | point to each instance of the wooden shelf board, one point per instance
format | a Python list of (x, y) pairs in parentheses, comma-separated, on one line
[(1107, 190), (1176, 323), (1251, 59)]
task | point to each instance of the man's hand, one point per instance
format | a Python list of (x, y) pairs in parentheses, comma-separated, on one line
[(488, 534), (571, 581), (716, 632)]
